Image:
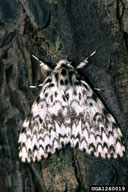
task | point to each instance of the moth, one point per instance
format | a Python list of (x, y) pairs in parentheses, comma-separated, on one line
[(67, 110)]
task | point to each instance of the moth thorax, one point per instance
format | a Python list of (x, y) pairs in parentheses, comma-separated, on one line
[(64, 76)]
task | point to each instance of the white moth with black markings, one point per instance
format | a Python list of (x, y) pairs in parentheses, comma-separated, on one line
[(68, 111)]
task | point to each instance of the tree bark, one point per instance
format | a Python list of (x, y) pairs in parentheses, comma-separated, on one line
[(52, 30)]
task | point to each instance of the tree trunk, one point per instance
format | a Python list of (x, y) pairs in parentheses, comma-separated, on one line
[(52, 30)]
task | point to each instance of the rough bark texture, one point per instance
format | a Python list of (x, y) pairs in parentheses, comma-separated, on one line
[(52, 30)]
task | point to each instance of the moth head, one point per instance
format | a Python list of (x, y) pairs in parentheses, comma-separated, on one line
[(63, 62)]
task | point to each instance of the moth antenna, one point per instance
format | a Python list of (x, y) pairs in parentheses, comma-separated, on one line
[(85, 61), (43, 65)]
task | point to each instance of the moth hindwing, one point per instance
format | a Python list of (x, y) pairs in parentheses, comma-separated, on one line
[(68, 111)]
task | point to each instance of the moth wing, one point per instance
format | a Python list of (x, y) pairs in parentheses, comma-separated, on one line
[(93, 128), (48, 127)]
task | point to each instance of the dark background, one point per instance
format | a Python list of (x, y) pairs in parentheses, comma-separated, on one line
[(52, 30)]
